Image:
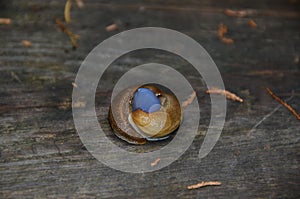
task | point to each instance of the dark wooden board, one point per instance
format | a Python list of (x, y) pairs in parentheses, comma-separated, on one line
[(41, 154)]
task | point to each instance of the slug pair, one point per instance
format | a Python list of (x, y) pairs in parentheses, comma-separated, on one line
[(144, 113)]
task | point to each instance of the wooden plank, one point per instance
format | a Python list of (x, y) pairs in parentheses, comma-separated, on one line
[(41, 154)]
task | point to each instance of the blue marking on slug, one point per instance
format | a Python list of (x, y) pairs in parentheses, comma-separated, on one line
[(145, 100)]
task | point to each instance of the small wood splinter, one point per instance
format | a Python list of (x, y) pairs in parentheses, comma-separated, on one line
[(67, 11), (226, 93), (111, 27), (227, 40), (155, 162), (73, 37), (5, 21), (26, 43), (252, 23), (283, 103), (236, 13), (74, 85), (204, 184), (189, 100), (222, 30)]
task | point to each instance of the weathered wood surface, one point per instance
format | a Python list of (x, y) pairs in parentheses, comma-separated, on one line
[(41, 154)]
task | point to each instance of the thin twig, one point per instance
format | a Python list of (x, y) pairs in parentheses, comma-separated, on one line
[(189, 100), (73, 37), (5, 21), (111, 27), (252, 23), (283, 103), (67, 11), (74, 85), (203, 184), (236, 13), (268, 115), (226, 93), (155, 162)]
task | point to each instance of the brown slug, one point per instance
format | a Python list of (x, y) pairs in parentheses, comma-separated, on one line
[(144, 113)]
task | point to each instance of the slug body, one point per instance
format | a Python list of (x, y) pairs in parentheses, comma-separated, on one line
[(144, 113), (145, 100)]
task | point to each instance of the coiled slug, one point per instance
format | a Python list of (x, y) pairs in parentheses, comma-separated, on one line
[(145, 113)]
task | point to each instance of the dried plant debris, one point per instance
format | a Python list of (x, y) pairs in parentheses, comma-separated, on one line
[(67, 11), (111, 27), (222, 30), (286, 105), (155, 162), (204, 184), (189, 100), (227, 40), (74, 85), (5, 21), (252, 23), (236, 13), (73, 37), (226, 93), (26, 43)]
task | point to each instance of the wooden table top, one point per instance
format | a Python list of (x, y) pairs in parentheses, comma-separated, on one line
[(41, 154)]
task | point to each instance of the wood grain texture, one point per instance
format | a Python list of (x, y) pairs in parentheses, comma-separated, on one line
[(41, 155)]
